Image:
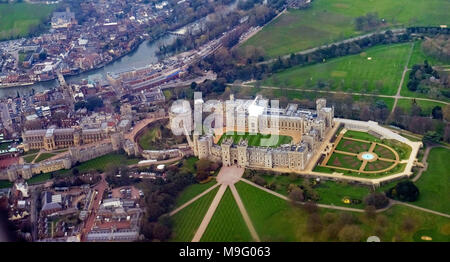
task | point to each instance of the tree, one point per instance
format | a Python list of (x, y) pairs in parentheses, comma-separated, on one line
[(437, 112), (404, 191), (376, 199), (311, 207), (446, 113), (161, 232), (431, 137), (314, 223), (350, 233), (370, 212), (75, 171), (296, 194), (408, 224)]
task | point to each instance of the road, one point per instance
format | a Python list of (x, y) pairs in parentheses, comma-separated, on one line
[(89, 223)]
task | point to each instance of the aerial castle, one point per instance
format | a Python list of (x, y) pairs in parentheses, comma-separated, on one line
[(306, 127)]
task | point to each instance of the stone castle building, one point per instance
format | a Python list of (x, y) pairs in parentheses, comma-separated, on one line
[(306, 127), (56, 138)]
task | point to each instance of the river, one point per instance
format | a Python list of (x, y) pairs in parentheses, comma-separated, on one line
[(144, 55)]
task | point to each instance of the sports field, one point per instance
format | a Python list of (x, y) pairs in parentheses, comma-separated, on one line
[(18, 18), (256, 139), (328, 21), (377, 70)]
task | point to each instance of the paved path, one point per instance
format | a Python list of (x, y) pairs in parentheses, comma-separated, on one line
[(425, 163), (192, 200), (246, 84), (244, 213), (405, 69), (209, 214), (421, 208), (287, 199)]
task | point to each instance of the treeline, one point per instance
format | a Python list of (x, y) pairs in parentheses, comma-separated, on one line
[(421, 73), (224, 62), (160, 196), (220, 23)]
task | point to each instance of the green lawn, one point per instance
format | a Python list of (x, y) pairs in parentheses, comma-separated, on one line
[(418, 56), (18, 18), (4, 146), (332, 193), (361, 135), (186, 222), (227, 223), (352, 146), (353, 73), (100, 163), (29, 158), (256, 139), (282, 182), (146, 140), (288, 223), (192, 191), (329, 21), (5, 184), (43, 156), (434, 184), (426, 106), (39, 178)]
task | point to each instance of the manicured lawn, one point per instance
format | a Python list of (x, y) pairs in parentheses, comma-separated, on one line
[(330, 21), (256, 139), (263, 209), (282, 182), (361, 135), (418, 56), (18, 18), (378, 165), (189, 164), (434, 184), (39, 178), (100, 163), (383, 152), (149, 137), (186, 222), (192, 191), (332, 193), (227, 223), (43, 156), (353, 73), (5, 184), (29, 158), (345, 161), (426, 106), (352, 146)]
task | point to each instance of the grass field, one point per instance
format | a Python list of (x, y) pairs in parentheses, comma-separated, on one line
[(426, 106), (256, 139), (227, 223), (29, 158), (191, 191), (146, 140), (352, 146), (434, 184), (39, 178), (361, 135), (5, 184), (186, 222), (329, 21), (418, 56), (354, 73), (282, 182), (333, 193), (18, 18), (43, 156), (288, 223), (100, 163)]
